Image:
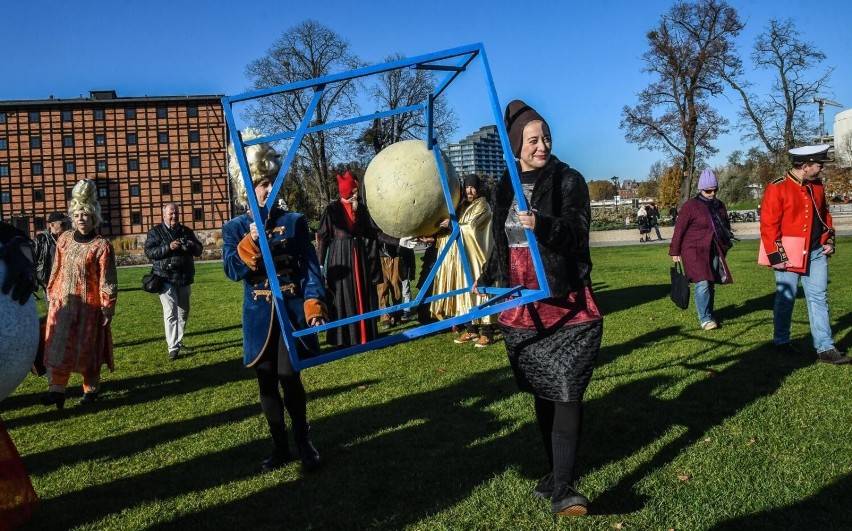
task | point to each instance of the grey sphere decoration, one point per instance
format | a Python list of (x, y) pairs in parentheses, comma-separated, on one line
[(403, 190), (18, 339)]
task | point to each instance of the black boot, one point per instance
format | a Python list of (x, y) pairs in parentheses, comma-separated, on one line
[(281, 452), (89, 398), (307, 453), (53, 397)]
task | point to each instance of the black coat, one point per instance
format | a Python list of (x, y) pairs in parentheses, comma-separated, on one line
[(177, 266), (561, 197)]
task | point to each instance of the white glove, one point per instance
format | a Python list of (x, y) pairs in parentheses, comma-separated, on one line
[(408, 242)]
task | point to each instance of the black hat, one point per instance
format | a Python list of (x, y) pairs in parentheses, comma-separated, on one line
[(471, 180), (55, 216), (818, 153), (518, 115)]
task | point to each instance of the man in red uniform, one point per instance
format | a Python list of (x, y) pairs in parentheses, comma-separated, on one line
[(797, 233)]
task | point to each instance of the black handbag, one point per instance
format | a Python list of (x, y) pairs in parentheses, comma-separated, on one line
[(680, 287), (152, 283)]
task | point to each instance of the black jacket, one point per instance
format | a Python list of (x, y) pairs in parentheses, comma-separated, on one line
[(44, 249), (176, 266), (561, 197)]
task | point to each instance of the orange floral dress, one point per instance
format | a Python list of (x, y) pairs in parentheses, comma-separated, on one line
[(82, 289)]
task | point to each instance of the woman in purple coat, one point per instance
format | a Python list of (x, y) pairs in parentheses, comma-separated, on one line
[(702, 238)]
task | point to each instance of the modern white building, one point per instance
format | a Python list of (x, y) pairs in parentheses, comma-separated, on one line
[(480, 153), (843, 138)]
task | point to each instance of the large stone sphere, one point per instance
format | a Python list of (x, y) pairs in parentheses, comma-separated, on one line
[(18, 339), (403, 189)]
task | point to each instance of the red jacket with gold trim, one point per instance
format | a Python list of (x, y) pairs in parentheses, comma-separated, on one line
[(787, 210)]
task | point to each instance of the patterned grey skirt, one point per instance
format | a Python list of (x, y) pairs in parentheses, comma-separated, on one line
[(554, 363)]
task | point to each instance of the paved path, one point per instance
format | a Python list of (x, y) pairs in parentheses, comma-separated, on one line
[(743, 231)]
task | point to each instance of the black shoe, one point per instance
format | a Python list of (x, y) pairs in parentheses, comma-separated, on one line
[(787, 348), (174, 354), (276, 460), (307, 453), (833, 356), (568, 502), (544, 488), (185, 349), (53, 397), (88, 398), (406, 317)]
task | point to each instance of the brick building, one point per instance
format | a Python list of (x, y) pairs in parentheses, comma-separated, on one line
[(142, 152)]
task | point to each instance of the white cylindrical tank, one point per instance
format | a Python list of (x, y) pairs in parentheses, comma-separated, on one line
[(843, 138)]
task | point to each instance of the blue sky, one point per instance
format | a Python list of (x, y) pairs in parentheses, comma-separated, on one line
[(577, 63)]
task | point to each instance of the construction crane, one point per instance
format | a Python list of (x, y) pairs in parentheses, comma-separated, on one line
[(822, 103)]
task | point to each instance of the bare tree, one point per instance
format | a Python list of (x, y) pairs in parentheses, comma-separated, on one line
[(306, 51), (687, 52), (400, 88), (778, 120)]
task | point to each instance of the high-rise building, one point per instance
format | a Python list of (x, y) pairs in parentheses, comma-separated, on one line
[(142, 152), (479, 152)]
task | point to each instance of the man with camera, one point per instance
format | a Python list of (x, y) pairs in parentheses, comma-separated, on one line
[(173, 248)]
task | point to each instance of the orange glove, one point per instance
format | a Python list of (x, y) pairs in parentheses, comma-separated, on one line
[(315, 308), (249, 252)]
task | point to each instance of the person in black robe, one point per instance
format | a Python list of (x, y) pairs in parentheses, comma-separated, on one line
[(348, 248)]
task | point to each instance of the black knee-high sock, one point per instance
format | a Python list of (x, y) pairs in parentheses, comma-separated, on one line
[(544, 411), (295, 398), (567, 419), (271, 403)]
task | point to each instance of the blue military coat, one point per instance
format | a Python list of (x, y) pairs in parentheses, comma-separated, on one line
[(298, 273)]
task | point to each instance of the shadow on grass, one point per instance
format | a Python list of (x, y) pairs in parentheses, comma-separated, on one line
[(387, 465), (641, 418), (827, 509), (612, 300)]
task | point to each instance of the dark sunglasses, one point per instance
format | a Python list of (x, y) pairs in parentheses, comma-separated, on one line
[(710, 191)]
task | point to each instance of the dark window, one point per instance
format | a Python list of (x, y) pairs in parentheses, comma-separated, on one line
[(2, 117), (163, 138), (69, 192), (196, 187), (100, 140), (35, 117), (38, 195), (99, 114), (4, 144), (195, 162), (5, 197), (130, 114), (67, 141), (100, 165), (131, 139), (67, 116), (164, 163), (197, 214), (166, 189), (69, 167), (4, 170), (39, 224), (194, 136), (35, 142), (136, 218), (37, 169), (134, 190), (132, 164), (103, 191), (162, 112), (192, 111)]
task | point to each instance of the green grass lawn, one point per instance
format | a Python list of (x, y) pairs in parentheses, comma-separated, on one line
[(684, 428)]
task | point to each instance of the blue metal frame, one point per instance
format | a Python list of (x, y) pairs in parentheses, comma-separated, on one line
[(503, 298)]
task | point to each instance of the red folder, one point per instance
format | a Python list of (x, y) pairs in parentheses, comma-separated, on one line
[(795, 248)]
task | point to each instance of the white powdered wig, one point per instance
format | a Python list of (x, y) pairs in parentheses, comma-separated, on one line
[(84, 197), (263, 162)]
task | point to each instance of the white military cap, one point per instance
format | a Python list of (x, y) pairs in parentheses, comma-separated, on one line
[(818, 153)]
